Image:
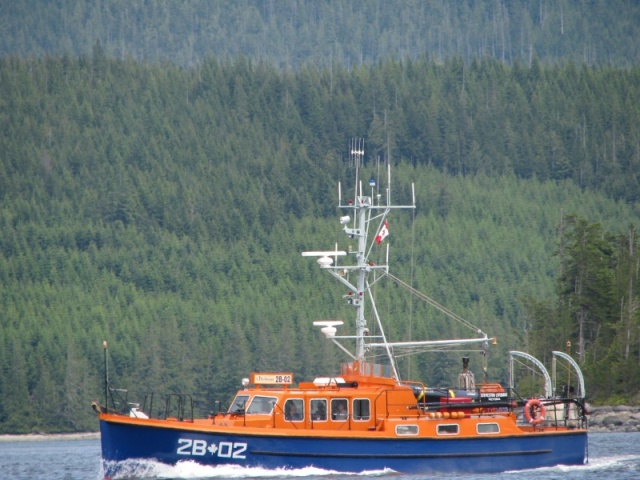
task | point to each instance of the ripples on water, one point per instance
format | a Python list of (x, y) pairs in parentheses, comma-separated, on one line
[(613, 456)]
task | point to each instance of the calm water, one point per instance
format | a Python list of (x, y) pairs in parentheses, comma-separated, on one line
[(612, 456)]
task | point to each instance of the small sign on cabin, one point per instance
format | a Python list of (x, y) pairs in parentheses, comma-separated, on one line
[(272, 378)]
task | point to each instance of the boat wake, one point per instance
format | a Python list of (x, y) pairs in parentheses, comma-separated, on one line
[(602, 465), (617, 463), (149, 469)]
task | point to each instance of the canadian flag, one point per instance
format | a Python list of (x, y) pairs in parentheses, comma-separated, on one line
[(382, 234)]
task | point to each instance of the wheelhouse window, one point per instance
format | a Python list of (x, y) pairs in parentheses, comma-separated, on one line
[(339, 409), (294, 410), (319, 409), (239, 404), (261, 404), (488, 428), (361, 409), (452, 429)]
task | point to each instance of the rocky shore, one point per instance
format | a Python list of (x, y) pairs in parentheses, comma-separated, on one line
[(620, 418), (50, 436)]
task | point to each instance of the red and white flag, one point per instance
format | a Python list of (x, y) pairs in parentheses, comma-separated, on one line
[(382, 234)]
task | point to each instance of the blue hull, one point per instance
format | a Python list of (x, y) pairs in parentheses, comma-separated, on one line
[(122, 442)]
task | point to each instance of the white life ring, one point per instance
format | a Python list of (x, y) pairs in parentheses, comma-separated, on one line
[(534, 411)]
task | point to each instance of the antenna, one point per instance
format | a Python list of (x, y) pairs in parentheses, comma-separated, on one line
[(356, 151), (356, 156), (106, 376)]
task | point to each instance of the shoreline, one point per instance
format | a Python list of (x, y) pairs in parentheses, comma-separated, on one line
[(43, 437), (619, 418)]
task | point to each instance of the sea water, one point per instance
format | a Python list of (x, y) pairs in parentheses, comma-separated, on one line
[(612, 456)]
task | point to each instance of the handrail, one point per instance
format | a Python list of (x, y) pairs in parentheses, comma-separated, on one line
[(553, 406), (182, 399)]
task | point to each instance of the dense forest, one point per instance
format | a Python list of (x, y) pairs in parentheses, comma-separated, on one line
[(164, 210), (163, 164), (291, 33)]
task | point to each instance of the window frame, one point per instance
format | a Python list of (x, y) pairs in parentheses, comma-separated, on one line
[(240, 403), (441, 429), (334, 403), (491, 424), (409, 430), (311, 409), (262, 398), (356, 406), (299, 404)]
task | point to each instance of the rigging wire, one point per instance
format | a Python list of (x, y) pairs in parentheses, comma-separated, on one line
[(411, 279), (435, 304)]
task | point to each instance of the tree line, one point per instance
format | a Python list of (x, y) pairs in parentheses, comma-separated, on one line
[(293, 33), (163, 209), (596, 306)]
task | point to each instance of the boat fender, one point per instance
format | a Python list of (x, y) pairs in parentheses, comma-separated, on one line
[(534, 411)]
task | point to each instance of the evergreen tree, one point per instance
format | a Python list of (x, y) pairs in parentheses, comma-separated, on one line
[(585, 285)]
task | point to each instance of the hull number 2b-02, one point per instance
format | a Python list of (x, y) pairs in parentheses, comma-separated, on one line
[(188, 446)]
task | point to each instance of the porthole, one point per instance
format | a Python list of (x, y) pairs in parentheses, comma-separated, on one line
[(406, 430), (487, 428), (448, 429)]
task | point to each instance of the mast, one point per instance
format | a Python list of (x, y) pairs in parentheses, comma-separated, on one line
[(361, 214), (366, 217)]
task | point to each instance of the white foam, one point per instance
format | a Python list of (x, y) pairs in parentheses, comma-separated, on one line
[(189, 469), (594, 465)]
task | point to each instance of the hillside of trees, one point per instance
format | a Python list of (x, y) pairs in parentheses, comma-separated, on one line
[(292, 33), (164, 210)]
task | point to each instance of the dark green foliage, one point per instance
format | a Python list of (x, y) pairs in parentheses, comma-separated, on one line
[(596, 308), (292, 33), (164, 210)]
